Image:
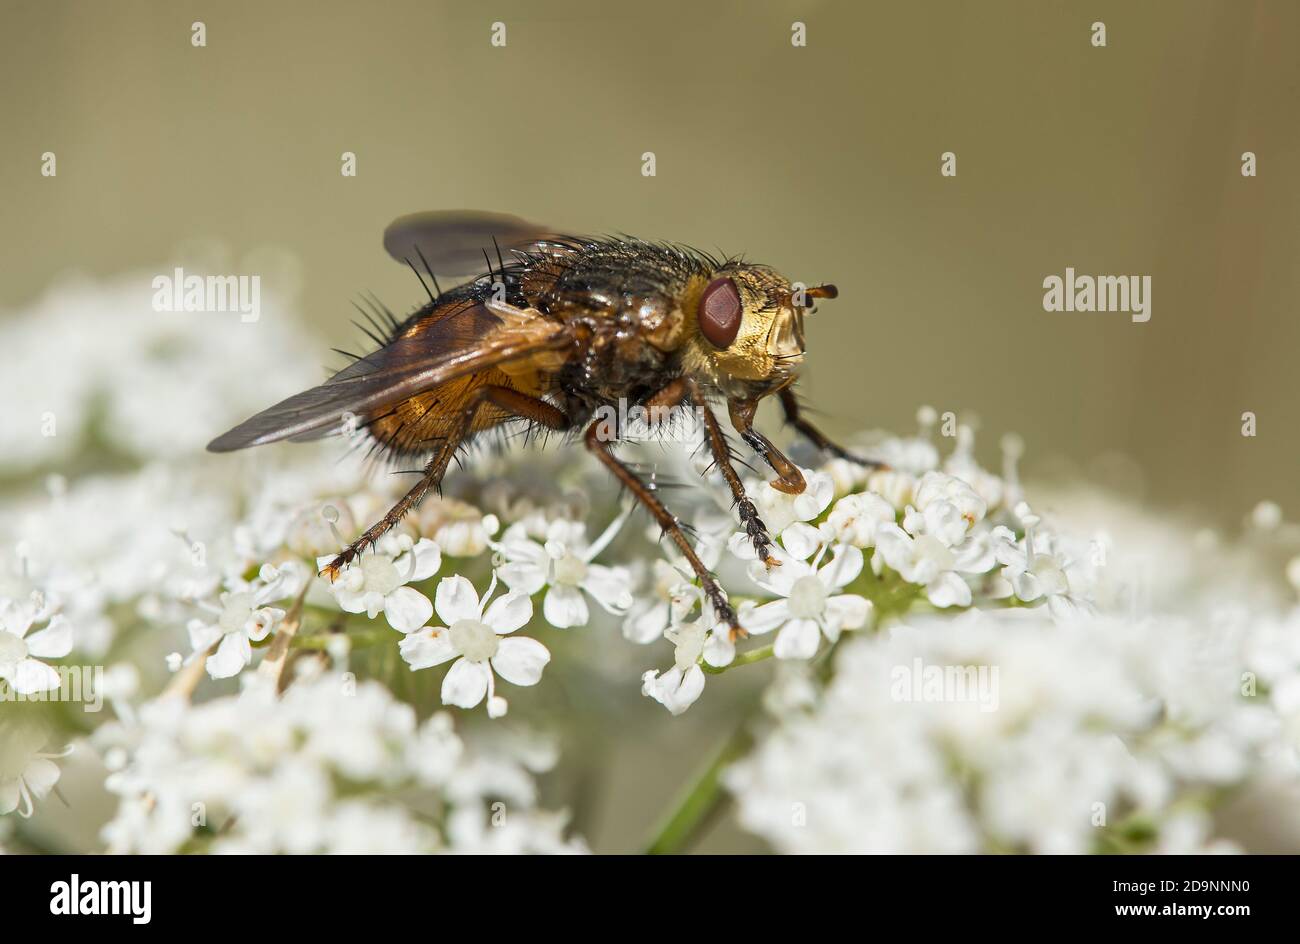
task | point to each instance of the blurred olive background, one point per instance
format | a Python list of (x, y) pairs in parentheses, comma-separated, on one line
[(823, 161)]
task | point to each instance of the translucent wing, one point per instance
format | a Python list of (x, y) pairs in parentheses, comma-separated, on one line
[(454, 242), (458, 338)]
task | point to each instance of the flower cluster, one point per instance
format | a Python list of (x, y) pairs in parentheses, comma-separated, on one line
[(1005, 731), (332, 766), (959, 663)]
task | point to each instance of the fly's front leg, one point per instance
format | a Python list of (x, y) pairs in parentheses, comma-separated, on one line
[(512, 402), (721, 449), (788, 477), (602, 448), (817, 437)]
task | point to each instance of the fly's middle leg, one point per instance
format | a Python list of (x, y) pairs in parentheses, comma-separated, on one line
[(602, 449)]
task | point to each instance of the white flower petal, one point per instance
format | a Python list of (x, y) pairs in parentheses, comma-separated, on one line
[(675, 690), (373, 602), (646, 626), (763, 619), (948, 590), (509, 612), (611, 587), (719, 650), (842, 569), (428, 558), (427, 647), (231, 656), (801, 540), (52, 642), (741, 545), (465, 683), (520, 660), (10, 796), (798, 639), (350, 601), (30, 676), (781, 578), (848, 611), (818, 493), (40, 776), (565, 607), (407, 609), (456, 600), (203, 635), (524, 576)]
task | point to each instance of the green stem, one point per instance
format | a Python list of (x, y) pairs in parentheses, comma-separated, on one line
[(744, 658), (701, 801)]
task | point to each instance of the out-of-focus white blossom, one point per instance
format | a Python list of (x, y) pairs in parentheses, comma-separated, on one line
[(22, 651), (27, 773), (328, 767), (1009, 732)]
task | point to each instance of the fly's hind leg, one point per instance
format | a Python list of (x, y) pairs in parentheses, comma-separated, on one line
[(512, 402), (817, 437), (600, 446)]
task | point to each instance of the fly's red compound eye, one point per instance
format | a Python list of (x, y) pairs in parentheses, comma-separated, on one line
[(720, 312)]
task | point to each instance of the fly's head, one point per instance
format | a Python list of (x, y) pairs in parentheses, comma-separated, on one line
[(749, 324)]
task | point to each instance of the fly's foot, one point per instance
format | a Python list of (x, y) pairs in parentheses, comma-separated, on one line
[(722, 609), (335, 567), (757, 532)]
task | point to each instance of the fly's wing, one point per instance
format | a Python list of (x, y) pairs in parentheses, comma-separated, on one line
[(453, 340), (455, 242)]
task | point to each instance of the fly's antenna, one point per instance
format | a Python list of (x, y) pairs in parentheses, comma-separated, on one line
[(427, 268), (426, 288)]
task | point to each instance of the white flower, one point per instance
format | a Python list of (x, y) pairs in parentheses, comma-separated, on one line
[(473, 638), (1049, 720), (810, 608), (242, 618), (936, 544), (785, 514), (377, 583), (21, 654), (856, 518), (26, 774), (680, 687), (563, 565), (1035, 570), (937, 489), (460, 529), (331, 765), (672, 597)]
